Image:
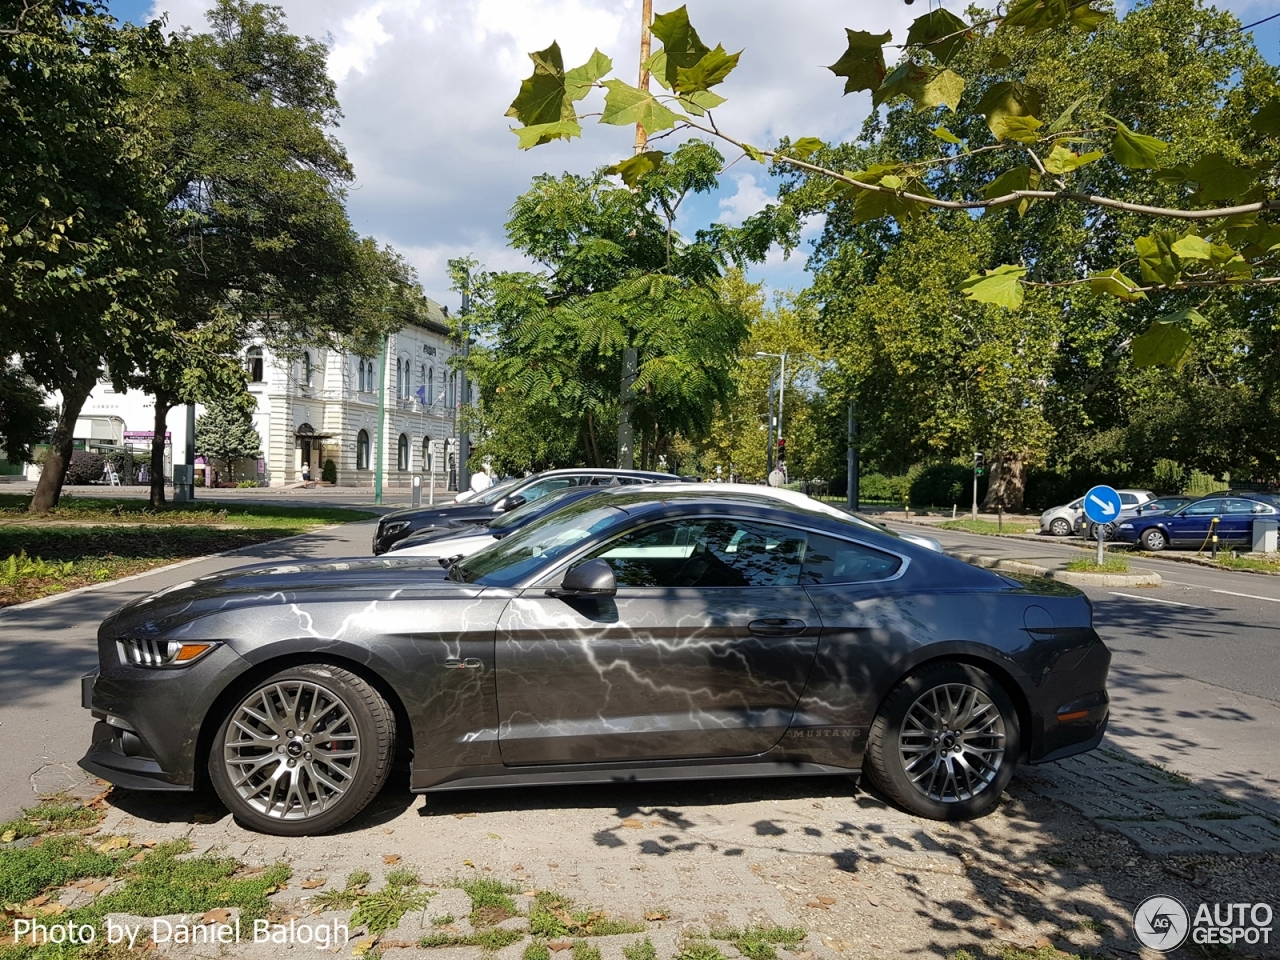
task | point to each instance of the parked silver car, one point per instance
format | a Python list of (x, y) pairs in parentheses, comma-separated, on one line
[(1060, 521)]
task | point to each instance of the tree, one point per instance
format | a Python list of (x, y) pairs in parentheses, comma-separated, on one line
[(225, 432), (79, 215), (1214, 219), (24, 417)]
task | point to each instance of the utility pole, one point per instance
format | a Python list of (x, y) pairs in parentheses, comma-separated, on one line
[(853, 491), (382, 420), (630, 357), (464, 394), (768, 454), (190, 458), (977, 472)]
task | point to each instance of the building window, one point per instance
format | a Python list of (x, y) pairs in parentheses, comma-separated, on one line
[(428, 456), (405, 377), (362, 450), (453, 381), (402, 453), (253, 362), (306, 367), (360, 373), (431, 386)]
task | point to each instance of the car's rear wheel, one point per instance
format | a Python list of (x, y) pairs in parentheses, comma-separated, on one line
[(1154, 539), (1060, 527), (304, 751), (945, 742)]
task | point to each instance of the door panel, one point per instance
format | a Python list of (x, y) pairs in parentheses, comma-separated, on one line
[(1191, 527)]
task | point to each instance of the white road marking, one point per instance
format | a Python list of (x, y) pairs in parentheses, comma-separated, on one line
[(1172, 603), (1251, 596)]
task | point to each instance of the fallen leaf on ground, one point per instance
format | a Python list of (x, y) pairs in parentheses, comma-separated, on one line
[(148, 844), (560, 945), (554, 866), (816, 906), (314, 883), (112, 843), (1000, 923), (138, 857), (8, 836), (396, 944), (388, 830), (391, 859), (216, 915), (37, 901), (494, 836), (95, 887), (467, 863), (248, 871), (1042, 942), (827, 900), (656, 915), (633, 824), (89, 831), (529, 893), (518, 866), (872, 900)]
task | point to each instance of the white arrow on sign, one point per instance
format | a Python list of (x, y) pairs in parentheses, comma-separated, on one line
[(1105, 507)]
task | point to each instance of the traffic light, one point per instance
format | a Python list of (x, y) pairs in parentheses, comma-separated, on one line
[(782, 448), (979, 464)]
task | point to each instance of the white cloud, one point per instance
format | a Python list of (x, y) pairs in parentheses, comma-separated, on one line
[(749, 198)]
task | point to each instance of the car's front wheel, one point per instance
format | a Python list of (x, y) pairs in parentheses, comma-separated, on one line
[(1154, 539), (945, 742), (1060, 527), (304, 751)]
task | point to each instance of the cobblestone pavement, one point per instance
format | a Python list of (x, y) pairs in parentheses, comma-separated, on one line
[(1071, 851)]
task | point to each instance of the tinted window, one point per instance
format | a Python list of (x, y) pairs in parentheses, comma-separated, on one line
[(542, 487), (1260, 507), (1203, 508), (828, 560), (1076, 504), (517, 555), (1237, 506), (1128, 499), (706, 553), (497, 491)]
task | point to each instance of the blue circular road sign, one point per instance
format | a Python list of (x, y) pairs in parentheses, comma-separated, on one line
[(1102, 504)]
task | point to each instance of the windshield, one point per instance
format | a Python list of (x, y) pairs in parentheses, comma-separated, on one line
[(522, 515), (497, 491), (518, 554)]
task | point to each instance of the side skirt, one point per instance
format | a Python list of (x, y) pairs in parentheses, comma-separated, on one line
[(499, 776)]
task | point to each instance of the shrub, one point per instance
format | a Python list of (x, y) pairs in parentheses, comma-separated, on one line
[(329, 472), (877, 487), (246, 484), (942, 484), (85, 467)]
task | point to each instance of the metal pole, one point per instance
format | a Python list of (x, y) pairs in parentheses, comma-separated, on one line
[(854, 480), (191, 452), (431, 472), (975, 484), (382, 419), (782, 393), (464, 393), (768, 454), (1098, 527)]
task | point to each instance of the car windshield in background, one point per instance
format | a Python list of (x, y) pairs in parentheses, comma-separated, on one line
[(518, 554), (497, 491), (520, 516)]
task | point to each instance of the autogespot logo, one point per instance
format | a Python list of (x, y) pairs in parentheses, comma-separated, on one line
[(1161, 923)]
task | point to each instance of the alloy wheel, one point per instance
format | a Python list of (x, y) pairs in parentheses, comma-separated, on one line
[(291, 749), (952, 742)]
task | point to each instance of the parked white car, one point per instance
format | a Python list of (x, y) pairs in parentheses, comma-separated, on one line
[(473, 539), (1061, 521)]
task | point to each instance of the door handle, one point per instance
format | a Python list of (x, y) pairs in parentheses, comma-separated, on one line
[(471, 663), (776, 627)]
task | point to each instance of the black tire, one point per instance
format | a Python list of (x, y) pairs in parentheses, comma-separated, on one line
[(1060, 527), (338, 772), (1153, 539), (886, 762)]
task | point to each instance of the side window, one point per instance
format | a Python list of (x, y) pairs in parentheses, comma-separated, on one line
[(1128, 499), (536, 491), (706, 553), (1263, 508), (1237, 506), (1204, 508), (828, 560)]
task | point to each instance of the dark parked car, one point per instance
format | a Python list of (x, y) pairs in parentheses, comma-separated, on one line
[(502, 497), (1230, 515), (1089, 530), (623, 637)]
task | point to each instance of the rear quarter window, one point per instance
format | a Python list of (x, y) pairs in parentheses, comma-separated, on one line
[(829, 560)]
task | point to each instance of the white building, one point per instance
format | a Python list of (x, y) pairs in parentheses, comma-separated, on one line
[(322, 406)]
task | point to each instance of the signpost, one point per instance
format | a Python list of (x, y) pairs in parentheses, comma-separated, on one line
[(1101, 505)]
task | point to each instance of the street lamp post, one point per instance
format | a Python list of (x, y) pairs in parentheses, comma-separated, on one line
[(782, 393), (382, 417)]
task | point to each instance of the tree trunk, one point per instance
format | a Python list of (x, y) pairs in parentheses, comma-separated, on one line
[(163, 406), (1008, 483), (49, 489)]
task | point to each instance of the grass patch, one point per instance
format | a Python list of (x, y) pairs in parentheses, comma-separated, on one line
[(700, 950), (382, 911), (540, 951), (1250, 561), (488, 940), (347, 897), (491, 901), (985, 526), (584, 951), (757, 943), (444, 921), (129, 510), (25, 872), (51, 814), (1091, 565), (553, 915), (639, 950)]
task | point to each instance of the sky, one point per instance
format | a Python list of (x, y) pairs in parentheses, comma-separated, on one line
[(425, 84)]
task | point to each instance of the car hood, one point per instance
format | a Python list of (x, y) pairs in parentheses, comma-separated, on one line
[(277, 584), (424, 516)]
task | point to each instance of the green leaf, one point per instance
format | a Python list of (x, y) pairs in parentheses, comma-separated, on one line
[(1192, 247), (754, 153), (1156, 258), (940, 32), (1063, 160), (540, 133), (1136, 150), (999, 61), (542, 98), (579, 81), (1001, 286), (625, 104), (1267, 119), (633, 168), (1219, 178), (707, 72), (806, 146), (680, 43), (700, 101), (1065, 116), (927, 86), (892, 181), (1166, 343), (1019, 178), (944, 89), (1116, 284), (1006, 100), (945, 135), (862, 64), (657, 67), (1035, 16), (1022, 129)]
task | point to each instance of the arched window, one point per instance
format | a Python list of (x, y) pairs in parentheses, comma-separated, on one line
[(402, 453), (428, 455), (253, 361), (306, 367), (362, 450), (453, 389), (431, 386), (406, 380)]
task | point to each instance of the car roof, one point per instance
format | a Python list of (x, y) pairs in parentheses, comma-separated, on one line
[(1262, 495), (601, 472)]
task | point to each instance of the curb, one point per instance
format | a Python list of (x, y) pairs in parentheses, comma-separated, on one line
[(55, 597), (1198, 561), (1027, 569)]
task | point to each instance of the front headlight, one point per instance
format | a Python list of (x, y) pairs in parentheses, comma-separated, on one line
[(1126, 526), (162, 653), (393, 528)]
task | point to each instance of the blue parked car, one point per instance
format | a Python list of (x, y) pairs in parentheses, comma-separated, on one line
[(1193, 524), (1089, 530)]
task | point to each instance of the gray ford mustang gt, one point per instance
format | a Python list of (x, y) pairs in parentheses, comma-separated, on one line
[(632, 635)]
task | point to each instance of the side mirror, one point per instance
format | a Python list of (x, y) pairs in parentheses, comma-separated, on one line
[(510, 503), (594, 578)]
